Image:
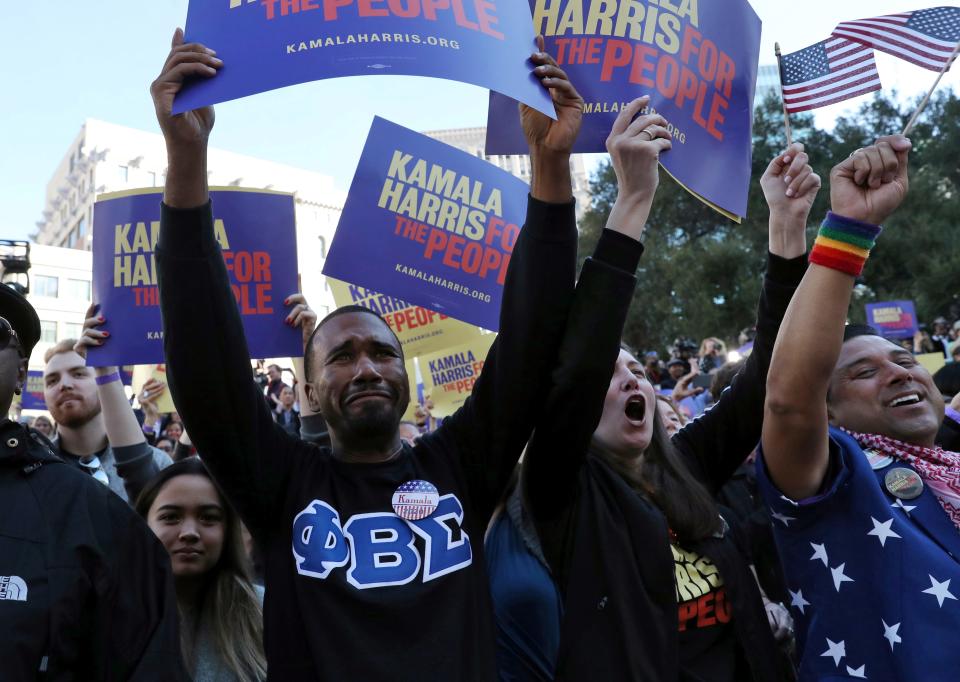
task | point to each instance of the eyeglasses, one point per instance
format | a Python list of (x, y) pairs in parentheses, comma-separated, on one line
[(8, 335), (93, 467)]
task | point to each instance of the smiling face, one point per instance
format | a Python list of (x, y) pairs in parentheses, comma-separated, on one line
[(189, 519), (878, 387), (358, 380), (70, 390), (629, 410)]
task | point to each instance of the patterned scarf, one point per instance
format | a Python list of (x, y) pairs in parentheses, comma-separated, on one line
[(939, 468)]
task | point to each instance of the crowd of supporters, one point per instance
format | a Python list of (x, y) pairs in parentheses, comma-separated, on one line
[(591, 513)]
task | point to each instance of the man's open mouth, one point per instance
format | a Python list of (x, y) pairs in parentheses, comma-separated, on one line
[(908, 399)]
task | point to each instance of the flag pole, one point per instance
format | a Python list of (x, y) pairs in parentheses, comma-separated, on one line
[(786, 115), (926, 99)]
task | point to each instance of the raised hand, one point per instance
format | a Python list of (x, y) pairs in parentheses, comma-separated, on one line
[(301, 315), (91, 336), (789, 184), (544, 134), (872, 182), (192, 128), (635, 147)]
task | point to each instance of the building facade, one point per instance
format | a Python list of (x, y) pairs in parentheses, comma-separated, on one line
[(105, 157), (473, 141)]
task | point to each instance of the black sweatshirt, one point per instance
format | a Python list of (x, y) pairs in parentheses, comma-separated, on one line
[(354, 592), (609, 546)]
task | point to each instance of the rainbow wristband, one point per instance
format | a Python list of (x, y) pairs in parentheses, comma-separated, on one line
[(844, 244)]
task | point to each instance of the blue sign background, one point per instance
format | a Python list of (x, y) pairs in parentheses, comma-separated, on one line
[(261, 54), (718, 171), (255, 222), (367, 251), (902, 328), (32, 396)]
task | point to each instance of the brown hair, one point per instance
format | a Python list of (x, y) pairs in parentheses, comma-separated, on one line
[(229, 601), (65, 346)]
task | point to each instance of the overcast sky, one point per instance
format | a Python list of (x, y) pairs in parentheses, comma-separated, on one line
[(64, 61)]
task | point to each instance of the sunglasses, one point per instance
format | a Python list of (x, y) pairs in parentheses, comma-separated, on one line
[(93, 467), (8, 335)]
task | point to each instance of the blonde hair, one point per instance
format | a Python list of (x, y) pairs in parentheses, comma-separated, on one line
[(65, 346)]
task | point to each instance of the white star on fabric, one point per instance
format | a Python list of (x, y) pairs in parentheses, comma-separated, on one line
[(820, 552), (797, 600), (835, 650), (839, 577), (785, 520), (860, 672), (891, 633), (882, 531), (787, 499), (940, 590), (905, 507)]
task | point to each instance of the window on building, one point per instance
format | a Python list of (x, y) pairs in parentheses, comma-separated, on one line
[(71, 330), (48, 331), (323, 246), (123, 173), (72, 238), (78, 289), (44, 285)]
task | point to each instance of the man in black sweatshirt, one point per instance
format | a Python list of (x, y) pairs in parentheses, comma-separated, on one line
[(373, 548)]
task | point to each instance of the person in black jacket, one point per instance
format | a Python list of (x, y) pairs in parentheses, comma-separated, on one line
[(85, 587), (653, 585), (372, 548)]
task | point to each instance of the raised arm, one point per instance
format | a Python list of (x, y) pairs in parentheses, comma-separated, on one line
[(864, 190), (208, 364), (718, 441), (491, 428), (591, 341), (137, 462)]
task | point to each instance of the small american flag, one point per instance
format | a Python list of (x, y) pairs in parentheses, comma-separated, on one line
[(926, 37), (828, 72)]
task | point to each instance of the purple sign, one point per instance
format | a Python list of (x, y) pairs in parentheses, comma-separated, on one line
[(893, 319), (257, 233), (430, 224), (32, 397), (271, 44), (698, 63)]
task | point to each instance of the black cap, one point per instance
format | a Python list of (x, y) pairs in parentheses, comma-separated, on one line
[(22, 317), (677, 361)]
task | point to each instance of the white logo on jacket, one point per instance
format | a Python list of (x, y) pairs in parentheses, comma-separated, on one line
[(12, 588)]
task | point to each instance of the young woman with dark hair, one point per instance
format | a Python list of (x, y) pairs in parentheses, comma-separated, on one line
[(650, 581), (221, 615)]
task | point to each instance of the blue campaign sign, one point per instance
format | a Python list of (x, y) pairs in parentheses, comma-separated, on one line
[(893, 319), (429, 224), (32, 396), (696, 60), (257, 232), (269, 44)]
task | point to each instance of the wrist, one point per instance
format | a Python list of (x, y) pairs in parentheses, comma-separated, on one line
[(787, 236), (550, 176), (629, 215), (104, 371)]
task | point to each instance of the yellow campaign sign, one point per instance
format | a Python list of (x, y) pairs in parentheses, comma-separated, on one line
[(449, 375), (932, 362), (144, 373), (420, 330), (411, 414)]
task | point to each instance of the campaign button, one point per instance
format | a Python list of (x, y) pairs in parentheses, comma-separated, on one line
[(904, 484), (415, 500), (878, 460)]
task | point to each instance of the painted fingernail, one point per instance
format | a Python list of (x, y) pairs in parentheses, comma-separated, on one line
[(106, 333), (790, 192), (102, 318)]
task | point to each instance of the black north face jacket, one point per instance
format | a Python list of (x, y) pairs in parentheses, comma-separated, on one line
[(85, 588)]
